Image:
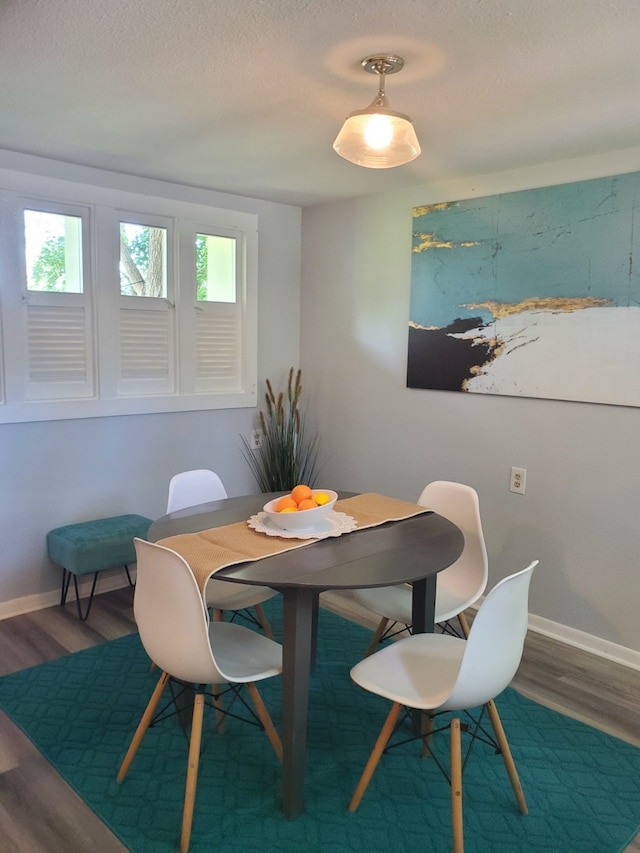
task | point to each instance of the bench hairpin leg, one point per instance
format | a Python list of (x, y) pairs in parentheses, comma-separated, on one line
[(89, 602), (66, 577)]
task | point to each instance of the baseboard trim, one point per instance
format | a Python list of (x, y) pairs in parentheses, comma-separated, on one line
[(586, 642), (562, 633), (107, 582), (581, 640)]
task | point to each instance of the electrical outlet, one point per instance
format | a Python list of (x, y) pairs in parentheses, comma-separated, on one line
[(518, 480), (256, 439)]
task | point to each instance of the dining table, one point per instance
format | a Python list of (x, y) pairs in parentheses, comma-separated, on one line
[(411, 550)]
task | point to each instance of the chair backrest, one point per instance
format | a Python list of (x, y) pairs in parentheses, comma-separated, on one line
[(494, 648), (191, 488), (171, 615), (459, 503)]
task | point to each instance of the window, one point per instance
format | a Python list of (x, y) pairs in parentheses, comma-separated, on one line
[(113, 303), (146, 332), (56, 322), (143, 260), (216, 268), (213, 311), (53, 251)]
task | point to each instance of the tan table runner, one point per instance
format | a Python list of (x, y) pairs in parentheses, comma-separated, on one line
[(220, 547)]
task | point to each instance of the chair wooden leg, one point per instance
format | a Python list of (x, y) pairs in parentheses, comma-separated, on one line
[(192, 772), (506, 756), (376, 753), (456, 787), (462, 619), (426, 731), (218, 615), (382, 624), (265, 719), (143, 725), (262, 619)]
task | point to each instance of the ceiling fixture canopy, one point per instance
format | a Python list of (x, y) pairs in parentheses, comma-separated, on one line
[(377, 137)]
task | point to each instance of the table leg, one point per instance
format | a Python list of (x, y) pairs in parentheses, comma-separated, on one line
[(315, 613), (423, 605), (297, 657)]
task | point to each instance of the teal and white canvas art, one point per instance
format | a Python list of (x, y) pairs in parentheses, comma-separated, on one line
[(533, 293)]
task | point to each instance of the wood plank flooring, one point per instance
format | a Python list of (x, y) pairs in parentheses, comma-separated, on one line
[(39, 812)]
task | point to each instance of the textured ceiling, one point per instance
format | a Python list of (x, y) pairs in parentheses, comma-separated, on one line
[(247, 96)]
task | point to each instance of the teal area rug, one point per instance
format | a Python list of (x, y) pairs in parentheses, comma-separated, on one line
[(582, 786)]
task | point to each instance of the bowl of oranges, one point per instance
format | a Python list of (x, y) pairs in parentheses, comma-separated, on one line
[(301, 509)]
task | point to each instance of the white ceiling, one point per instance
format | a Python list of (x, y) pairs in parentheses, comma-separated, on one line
[(247, 96)]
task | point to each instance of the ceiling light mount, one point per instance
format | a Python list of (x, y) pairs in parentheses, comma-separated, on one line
[(378, 137), (383, 64)]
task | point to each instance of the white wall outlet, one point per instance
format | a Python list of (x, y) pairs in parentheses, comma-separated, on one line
[(518, 480), (256, 439)]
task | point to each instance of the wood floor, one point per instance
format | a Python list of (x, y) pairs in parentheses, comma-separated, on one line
[(39, 813)]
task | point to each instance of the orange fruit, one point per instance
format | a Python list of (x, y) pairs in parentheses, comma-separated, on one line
[(321, 498), (308, 504), (289, 509), (301, 493), (286, 502)]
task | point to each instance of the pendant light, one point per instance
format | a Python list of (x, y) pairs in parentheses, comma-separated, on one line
[(377, 137)]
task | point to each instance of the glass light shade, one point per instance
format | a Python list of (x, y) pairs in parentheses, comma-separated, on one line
[(377, 138)]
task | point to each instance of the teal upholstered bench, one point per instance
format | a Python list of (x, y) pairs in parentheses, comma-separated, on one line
[(93, 546)]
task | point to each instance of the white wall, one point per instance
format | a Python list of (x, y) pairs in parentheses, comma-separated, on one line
[(59, 472), (580, 515)]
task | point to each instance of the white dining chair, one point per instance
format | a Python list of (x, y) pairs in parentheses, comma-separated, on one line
[(189, 649), (435, 673), (457, 587), (190, 488)]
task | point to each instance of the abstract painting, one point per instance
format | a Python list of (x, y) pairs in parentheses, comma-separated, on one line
[(533, 293)]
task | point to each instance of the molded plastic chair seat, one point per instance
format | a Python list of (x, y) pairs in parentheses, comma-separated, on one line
[(457, 587), (178, 636), (190, 488), (433, 673)]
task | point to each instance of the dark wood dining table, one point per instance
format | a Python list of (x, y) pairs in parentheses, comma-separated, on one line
[(412, 551)]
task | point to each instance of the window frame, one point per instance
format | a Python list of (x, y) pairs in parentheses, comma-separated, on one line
[(105, 208), (150, 306), (193, 309)]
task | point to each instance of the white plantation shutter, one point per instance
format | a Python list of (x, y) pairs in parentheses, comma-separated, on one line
[(58, 348), (59, 352), (218, 347), (146, 347)]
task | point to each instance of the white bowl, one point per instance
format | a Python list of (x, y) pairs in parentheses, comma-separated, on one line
[(304, 519)]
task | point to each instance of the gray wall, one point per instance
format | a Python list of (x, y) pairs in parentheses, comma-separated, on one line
[(347, 326), (580, 515), (59, 472)]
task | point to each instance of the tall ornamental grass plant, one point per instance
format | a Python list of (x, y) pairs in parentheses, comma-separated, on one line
[(287, 455)]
